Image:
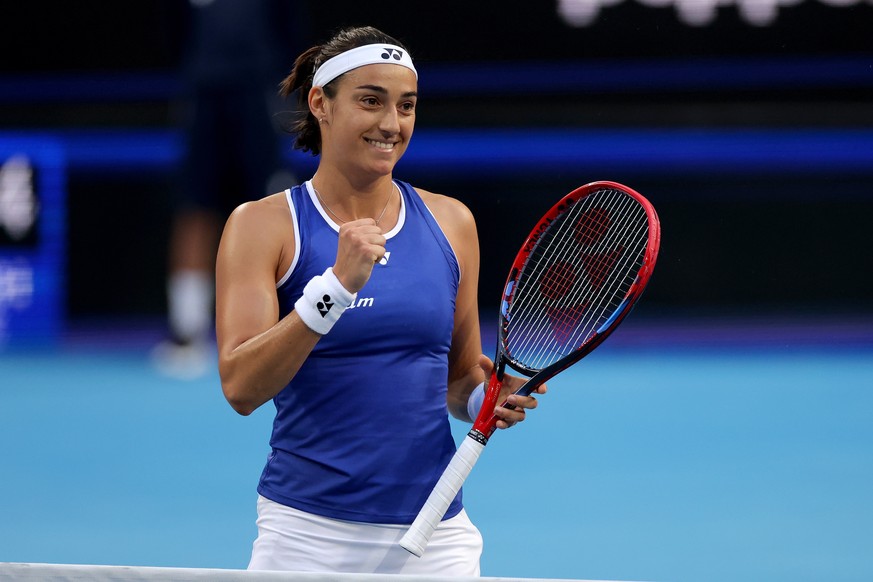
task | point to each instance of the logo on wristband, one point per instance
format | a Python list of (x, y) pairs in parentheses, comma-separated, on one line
[(324, 305)]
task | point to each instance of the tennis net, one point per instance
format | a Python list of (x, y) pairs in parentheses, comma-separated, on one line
[(31, 572)]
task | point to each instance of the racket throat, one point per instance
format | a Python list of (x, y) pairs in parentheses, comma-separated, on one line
[(486, 422)]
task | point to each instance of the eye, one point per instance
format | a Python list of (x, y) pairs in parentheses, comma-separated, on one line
[(407, 107), (370, 101)]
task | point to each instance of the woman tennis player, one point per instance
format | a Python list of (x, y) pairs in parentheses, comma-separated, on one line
[(350, 301)]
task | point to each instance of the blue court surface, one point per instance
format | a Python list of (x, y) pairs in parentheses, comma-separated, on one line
[(677, 451)]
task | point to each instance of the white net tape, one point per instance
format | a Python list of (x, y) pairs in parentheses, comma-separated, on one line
[(22, 572)]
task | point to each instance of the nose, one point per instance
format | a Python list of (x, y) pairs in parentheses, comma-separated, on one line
[(389, 124)]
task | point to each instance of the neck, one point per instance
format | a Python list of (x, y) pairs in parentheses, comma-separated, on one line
[(348, 201)]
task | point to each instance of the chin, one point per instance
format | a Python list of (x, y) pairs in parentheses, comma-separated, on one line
[(384, 168)]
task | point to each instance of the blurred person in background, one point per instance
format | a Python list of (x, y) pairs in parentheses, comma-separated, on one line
[(233, 54)]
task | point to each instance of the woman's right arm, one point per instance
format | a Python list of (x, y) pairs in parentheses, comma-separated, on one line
[(258, 354)]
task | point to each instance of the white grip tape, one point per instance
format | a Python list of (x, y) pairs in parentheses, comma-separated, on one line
[(324, 299), (444, 492)]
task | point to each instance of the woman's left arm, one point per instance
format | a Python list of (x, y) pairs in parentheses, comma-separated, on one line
[(468, 367)]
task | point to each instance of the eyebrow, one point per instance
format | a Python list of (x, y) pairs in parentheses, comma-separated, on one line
[(384, 91)]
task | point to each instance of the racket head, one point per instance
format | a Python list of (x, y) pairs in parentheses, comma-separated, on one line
[(576, 276)]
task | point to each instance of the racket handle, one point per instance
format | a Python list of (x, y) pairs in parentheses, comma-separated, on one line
[(444, 492)]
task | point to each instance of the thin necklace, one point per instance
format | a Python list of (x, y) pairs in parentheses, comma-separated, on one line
[(341, 221)]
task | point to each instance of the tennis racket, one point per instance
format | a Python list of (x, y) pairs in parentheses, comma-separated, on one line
[(577, 276)]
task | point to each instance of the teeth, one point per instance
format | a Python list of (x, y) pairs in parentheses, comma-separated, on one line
[(381, 144)]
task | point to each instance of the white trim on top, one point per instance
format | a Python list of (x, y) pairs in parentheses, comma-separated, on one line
[(401, 219), (296, 258)]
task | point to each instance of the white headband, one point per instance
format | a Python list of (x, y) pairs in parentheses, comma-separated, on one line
[(371, 54)]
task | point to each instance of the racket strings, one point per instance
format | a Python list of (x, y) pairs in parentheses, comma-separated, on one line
[(576, 277), (595, 302), (558, 238), (561, 239), (570, 322), (598, 296), (575, 319)]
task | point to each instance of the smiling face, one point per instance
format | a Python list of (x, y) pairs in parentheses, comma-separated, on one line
[(368, 124)]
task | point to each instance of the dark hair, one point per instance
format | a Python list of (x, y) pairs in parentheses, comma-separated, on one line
[(300, 79)]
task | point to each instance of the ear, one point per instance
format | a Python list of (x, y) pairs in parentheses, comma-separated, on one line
[(317, 103)]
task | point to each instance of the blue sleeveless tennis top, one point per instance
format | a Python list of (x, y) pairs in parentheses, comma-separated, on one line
[(362, 431)]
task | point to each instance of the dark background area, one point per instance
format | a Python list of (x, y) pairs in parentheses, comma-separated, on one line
[(738, 236)]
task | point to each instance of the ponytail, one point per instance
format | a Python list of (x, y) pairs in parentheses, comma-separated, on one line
[(300, 79)]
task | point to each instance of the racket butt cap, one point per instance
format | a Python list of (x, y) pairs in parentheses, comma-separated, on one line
[(413, 546)]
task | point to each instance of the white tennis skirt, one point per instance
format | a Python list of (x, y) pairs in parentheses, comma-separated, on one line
[(294, 540)]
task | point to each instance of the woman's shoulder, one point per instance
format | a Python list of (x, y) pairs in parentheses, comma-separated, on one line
[(264, 211), (445, 208), (266, 220), (257, 233)]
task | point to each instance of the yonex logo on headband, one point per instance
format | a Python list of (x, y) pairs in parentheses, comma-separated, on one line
[(371, 54), (390, 52)]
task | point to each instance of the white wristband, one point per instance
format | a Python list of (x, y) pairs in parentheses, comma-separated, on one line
[(323, 301), (474, 403)]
